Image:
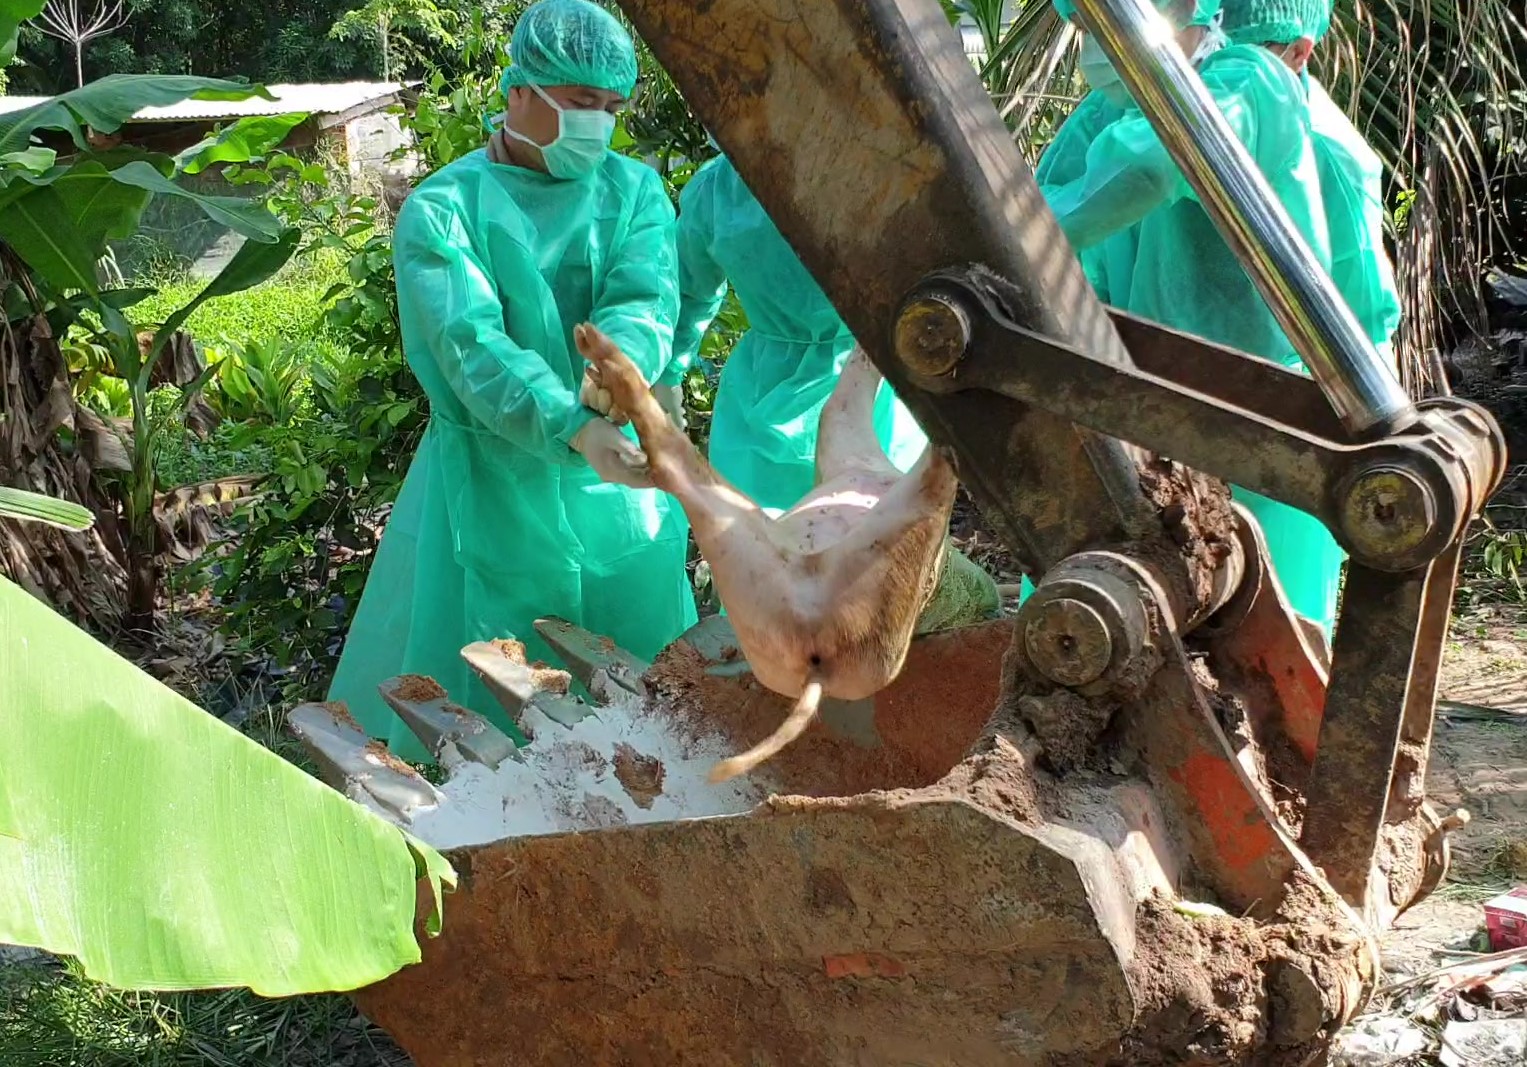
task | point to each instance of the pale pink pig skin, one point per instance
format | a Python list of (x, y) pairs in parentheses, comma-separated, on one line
[(833, 588)]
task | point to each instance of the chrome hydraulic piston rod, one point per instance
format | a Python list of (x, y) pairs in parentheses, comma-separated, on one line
[(1362, 389)]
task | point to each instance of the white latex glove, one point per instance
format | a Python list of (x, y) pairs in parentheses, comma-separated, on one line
[(614, 456), (593, 394), (671, 399)]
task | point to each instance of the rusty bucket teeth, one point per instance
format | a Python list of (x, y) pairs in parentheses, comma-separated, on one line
[(512, 684), (587, 654), (362, 769), (563, 710), (518, 687), (438, 723)]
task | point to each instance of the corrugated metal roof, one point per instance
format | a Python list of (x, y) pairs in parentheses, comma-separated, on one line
[(315, 99)]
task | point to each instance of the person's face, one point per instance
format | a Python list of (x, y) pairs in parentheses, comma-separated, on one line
[(537, 120), (1188, 38)]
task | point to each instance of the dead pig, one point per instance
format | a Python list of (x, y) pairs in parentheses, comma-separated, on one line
[(824, 598)]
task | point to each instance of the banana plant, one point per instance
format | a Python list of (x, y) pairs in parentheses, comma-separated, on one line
[(57, 217), (166, 850)]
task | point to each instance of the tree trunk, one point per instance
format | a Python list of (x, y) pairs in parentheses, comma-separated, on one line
[(80, 574), (142, 591)]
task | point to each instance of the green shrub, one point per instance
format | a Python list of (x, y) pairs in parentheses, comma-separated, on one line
[(288, 306)]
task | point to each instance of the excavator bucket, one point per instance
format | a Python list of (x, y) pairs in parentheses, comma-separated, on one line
[(898, 886)]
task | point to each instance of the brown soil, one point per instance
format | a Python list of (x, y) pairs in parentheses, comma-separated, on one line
[(511, 650), (1067, 725), (1217, 988), (383, 755), (549, 679), (641, 776), (418, 689), (543, 676), (1196, 511), (341, 712), (923, 723)]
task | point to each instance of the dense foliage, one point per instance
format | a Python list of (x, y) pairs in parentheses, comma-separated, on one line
[(331, 414), (272, 41)]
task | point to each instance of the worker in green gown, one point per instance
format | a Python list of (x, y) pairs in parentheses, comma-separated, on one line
[(777, 379), (763, 435), (1351, 174), (1139, 229), (522, 502)]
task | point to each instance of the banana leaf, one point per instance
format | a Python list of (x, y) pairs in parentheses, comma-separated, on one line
[(35, 507), (247, 139), (12, 14), (106, 103), (165, 850)]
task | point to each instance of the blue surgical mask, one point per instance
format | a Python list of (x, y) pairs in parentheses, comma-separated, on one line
[(1100, 74), (583, 137)]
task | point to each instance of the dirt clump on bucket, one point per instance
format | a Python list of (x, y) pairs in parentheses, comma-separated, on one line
[(418, 689), (1215, 989), (1196, 511), (641, 776), (543, 676), (380, 752)]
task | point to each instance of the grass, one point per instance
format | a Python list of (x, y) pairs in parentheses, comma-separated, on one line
[(289, 305), (52, 1016)]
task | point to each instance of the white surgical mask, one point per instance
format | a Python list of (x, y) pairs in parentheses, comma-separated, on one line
[(583, 136), (1212, 41)]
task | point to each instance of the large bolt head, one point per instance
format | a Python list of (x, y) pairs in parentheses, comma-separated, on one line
[(1068, 641), (932, 333), (1388, 513)]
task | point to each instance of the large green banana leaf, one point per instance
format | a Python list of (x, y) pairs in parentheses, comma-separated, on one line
[(166, 850), (34, 507)]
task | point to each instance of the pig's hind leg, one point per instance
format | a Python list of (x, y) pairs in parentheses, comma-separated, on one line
[(886, 565), (723, 519), (846, 440)]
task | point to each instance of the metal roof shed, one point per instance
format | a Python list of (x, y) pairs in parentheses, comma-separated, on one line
[(347, 115)]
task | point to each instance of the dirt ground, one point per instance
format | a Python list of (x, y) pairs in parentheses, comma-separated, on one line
[(1479, 763)]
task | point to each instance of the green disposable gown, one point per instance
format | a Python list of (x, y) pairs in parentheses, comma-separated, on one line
[(498, 521), (764, 424), (1108, 264), (1185, 276), (1352, 190)]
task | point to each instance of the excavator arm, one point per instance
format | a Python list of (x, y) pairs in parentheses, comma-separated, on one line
[(1009, 856), (865, 132)]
